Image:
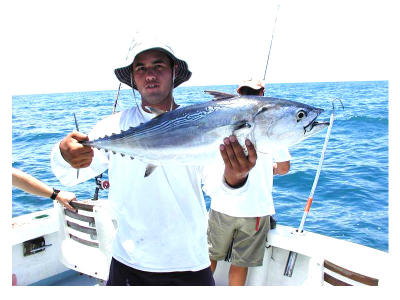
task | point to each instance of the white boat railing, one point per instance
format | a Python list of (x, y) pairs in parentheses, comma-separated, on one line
[(322, 260)]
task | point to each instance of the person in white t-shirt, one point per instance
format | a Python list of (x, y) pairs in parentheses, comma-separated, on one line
[(238, 224), (162, 227)]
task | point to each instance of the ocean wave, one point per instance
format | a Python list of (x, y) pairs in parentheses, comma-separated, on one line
[(365, 119)]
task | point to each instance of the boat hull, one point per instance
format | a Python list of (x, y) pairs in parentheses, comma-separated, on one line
[(45, 267)]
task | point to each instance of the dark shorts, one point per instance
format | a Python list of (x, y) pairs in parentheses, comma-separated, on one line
[(121, 274)]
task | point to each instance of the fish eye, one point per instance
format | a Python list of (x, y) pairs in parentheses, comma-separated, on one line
[(301, 114)]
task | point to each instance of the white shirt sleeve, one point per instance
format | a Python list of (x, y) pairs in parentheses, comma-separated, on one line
[(282, 154), (213, 180)]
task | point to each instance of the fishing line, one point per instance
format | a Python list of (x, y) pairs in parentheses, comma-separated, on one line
[(135, 100), (119, 86), (270, 45), (173, 81)]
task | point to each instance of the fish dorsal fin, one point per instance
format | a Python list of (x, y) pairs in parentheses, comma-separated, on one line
[(156, 111), (220, 95)]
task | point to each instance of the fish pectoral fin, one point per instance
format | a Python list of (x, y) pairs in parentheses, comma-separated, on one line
[(243, 130), (242, 126), (261, 110), (149, 169), (156, 111), (220, 95)]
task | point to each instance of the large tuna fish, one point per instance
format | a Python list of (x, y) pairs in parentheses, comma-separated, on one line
[(192, 134)]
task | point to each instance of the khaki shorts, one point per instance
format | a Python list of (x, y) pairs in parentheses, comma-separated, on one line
[(248, 244)]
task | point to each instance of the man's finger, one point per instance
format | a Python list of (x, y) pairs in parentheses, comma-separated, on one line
[(86, 150), (231, 153), (69, 207), (82, 164), (65, 198), (238, 150), (252, 153), (225, 157), (79, 136)]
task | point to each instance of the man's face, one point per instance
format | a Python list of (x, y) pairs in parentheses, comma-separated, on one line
[(152, 74)]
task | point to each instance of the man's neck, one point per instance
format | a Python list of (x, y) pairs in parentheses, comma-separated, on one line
[(164, 106)]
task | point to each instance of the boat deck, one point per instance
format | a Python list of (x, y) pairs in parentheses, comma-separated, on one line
[(69, 278)]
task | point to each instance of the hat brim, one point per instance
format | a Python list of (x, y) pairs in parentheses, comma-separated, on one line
[(182, 73)]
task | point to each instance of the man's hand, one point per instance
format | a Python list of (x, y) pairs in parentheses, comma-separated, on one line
[(76, 154), (65, 198), (237, 164)]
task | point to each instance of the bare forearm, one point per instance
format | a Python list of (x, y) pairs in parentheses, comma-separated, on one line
[(281, 168), (30, 184), (34, 186)]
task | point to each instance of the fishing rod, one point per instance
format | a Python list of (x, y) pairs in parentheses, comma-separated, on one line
[(270, 45), (100, 184), (293, 255), (116, 99), (104, 184), (77, 129)]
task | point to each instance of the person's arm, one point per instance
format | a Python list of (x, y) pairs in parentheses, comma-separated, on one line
[(69, 155), (282, 161), (281, 168), (34, 186)]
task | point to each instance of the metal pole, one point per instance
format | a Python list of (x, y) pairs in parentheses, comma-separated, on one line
[(311, 196), (291, 261)]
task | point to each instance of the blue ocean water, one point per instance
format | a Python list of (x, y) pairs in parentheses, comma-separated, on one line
[(351, 199)]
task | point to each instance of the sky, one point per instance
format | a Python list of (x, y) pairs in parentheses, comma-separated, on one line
[(66, 46)]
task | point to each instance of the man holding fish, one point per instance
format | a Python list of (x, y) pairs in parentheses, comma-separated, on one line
[(156, 156), (161, 238)]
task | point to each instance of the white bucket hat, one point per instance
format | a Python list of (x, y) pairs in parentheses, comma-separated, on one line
[(124, 73)]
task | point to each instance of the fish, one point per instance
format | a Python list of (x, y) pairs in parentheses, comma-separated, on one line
[(191, 135)]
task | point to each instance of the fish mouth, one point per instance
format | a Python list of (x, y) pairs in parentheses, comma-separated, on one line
[(313, 123)]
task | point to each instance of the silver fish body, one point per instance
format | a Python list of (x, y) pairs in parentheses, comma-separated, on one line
[(191, 135)]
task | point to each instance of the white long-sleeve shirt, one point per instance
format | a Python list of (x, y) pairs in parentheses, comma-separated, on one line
[(162, 222)]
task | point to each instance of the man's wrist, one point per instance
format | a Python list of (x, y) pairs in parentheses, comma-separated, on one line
[(237, 184)]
